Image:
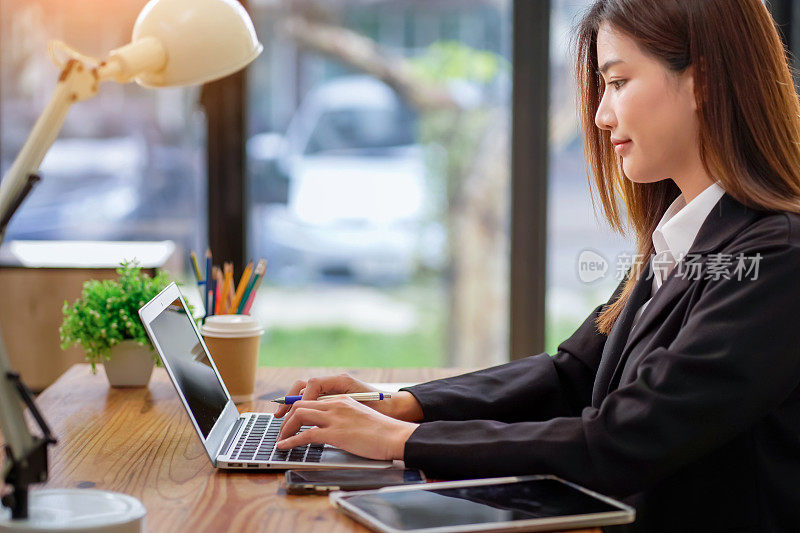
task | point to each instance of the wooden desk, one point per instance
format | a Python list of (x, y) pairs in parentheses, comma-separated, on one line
[(140, 442)]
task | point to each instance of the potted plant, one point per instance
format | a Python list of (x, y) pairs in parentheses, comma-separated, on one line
[(105, 322)]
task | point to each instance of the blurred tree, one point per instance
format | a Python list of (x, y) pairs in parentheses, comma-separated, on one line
[(468, 146)]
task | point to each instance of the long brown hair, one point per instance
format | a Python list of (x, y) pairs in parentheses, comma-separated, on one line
[(748, 111)]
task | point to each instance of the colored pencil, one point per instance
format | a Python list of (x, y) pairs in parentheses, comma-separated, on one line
[(201, 285), (208, 279), (212, 297), (226, 288), (256, 285), (260, 267), (218, 285), (196, 268), (231, 291), (241, 288), (214, 290)]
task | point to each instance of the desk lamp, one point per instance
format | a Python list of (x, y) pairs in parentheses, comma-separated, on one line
[(174, 43)]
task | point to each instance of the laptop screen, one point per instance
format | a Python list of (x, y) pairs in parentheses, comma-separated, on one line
[(187, 359)]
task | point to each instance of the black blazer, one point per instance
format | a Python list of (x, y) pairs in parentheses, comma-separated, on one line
[(693, 418)]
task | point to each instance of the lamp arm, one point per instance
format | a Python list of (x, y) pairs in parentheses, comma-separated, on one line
[(28, 454), (19, 441), (77, 82)]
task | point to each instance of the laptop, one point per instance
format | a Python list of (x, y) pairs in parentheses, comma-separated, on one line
[(231, 439)]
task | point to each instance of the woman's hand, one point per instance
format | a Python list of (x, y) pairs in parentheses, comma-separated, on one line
[(346, 424), (402, 405)]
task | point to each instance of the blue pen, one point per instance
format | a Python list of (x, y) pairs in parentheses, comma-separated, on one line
[(358, 396), (206, 299)]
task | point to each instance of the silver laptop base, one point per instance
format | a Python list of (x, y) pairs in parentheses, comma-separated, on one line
[(252, 447)]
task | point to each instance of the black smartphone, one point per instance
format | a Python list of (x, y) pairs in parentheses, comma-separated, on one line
[(319, 481)]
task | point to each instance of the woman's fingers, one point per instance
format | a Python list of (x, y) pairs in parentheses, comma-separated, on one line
[(294, 390), (338, 384), (314, 388), (308, 436), (349, 425), (304, 413), (292, 408), (321, 414)]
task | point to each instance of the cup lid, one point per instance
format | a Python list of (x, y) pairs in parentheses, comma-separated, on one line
[(231, 326)]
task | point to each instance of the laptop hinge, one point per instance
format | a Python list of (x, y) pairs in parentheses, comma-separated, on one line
[(226, 446)]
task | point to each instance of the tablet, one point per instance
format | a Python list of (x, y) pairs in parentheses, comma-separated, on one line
[(527, 503)]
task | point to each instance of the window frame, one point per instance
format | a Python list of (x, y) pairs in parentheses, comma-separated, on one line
[(225, 104)]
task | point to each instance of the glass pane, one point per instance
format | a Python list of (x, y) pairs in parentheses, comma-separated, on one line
[(378, 168), (577, 236), (129, 164)]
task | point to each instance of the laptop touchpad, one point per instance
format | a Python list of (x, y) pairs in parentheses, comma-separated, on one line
[(335, 455)]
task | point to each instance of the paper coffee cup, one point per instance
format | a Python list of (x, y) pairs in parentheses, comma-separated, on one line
[(233, 341)]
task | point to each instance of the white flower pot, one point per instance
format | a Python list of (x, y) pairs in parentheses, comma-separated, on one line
[(130, 365)]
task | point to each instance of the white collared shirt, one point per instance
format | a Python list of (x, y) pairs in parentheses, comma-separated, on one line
[(675, 234)]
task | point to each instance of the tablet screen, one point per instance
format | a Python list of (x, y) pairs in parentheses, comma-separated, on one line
[(508, 502)]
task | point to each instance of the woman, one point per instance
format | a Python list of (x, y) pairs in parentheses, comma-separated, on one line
[(681, 394)]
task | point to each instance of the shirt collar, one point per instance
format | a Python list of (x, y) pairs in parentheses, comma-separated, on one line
[(678, 227)]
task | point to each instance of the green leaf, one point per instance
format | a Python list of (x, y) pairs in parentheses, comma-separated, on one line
[(107, 312)]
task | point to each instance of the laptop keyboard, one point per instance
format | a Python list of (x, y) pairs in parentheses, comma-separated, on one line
[(257, 442)]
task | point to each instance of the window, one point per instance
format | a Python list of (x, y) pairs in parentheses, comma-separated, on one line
[(383, 216)]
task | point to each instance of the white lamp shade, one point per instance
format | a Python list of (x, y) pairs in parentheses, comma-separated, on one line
[(204, 40)]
